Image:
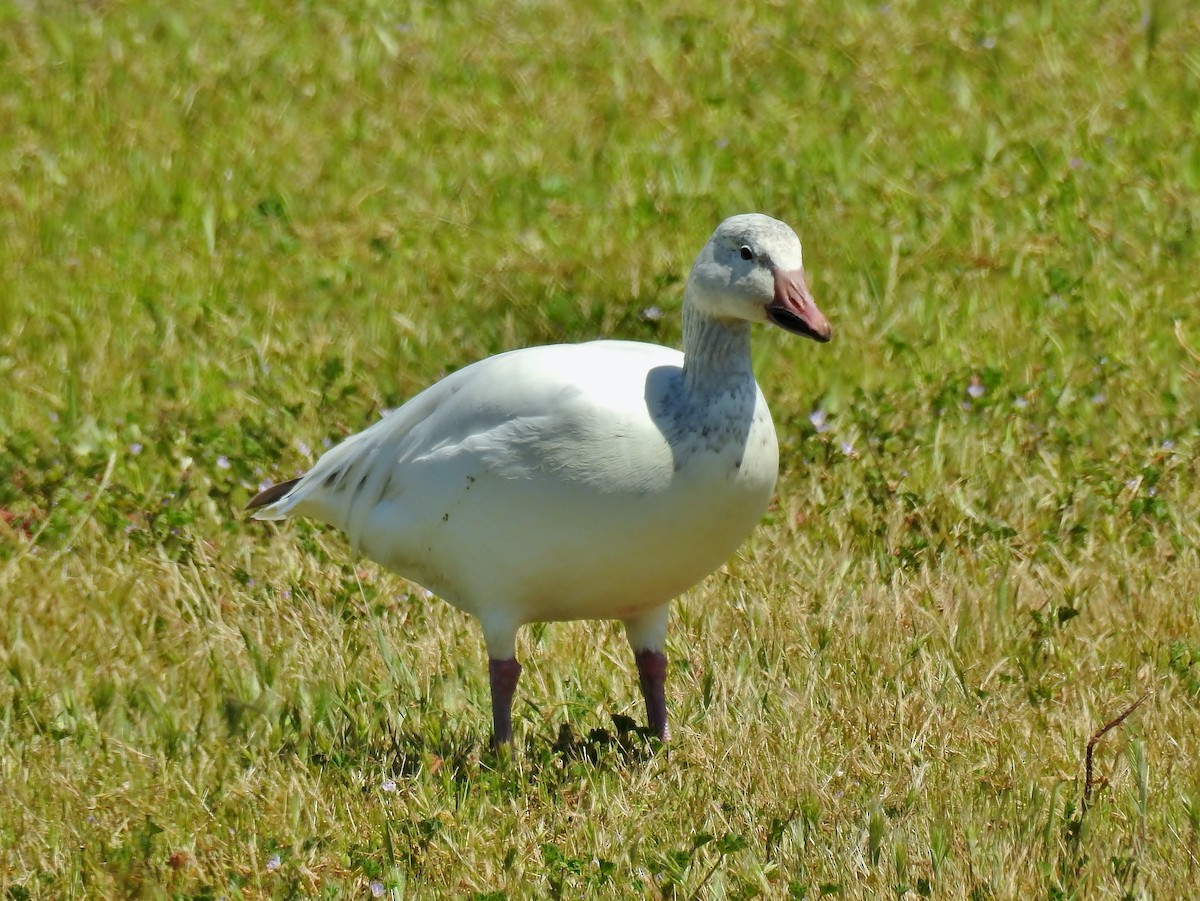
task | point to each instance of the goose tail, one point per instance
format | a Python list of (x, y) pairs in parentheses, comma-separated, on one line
[(271, 503)]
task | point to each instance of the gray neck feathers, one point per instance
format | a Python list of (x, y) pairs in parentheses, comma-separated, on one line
[(716, 352)]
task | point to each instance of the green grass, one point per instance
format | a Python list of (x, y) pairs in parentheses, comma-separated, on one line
[(229, 236)]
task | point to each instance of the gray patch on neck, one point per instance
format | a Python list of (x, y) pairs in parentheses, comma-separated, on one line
[(699, 421)]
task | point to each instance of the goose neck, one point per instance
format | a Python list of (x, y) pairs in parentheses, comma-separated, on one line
[(715, 351)]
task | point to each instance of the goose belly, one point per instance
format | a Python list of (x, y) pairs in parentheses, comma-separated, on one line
[(549, 548)]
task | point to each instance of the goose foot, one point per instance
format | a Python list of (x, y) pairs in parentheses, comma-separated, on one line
[(652, 673), (503, 675)]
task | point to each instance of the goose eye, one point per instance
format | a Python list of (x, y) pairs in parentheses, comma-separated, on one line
[(746, 252)]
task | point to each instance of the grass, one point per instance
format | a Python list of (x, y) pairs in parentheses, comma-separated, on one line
[(233, 235)]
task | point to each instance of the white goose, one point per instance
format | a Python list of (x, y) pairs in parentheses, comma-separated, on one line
[(578, 481)]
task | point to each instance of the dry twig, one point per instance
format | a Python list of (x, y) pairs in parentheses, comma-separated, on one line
[(1099, 734)]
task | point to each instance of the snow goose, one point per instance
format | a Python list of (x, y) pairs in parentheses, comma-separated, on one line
[(578, 481)]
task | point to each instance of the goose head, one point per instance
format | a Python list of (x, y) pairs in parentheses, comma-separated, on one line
[(751, 269)]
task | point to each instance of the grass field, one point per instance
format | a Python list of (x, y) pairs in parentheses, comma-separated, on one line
[(232, 233)]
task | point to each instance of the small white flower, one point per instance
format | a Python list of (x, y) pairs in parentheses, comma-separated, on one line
[(273, 863), (819, 420), (1020, 403), (976, 389), (848, 448), (135, 448), (651, 314), (377, 888), (222, 462), (389, 785)]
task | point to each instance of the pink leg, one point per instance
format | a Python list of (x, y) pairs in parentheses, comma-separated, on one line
[(503, 675), (652, 673)]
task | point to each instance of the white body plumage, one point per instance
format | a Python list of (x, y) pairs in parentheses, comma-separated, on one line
[(552, 483)]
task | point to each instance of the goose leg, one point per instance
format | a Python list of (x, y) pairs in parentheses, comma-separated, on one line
[(647, 634), (652, 674), (500, 636), (504, 675)]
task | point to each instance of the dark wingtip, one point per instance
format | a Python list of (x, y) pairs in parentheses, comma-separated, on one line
[(272, 494)]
